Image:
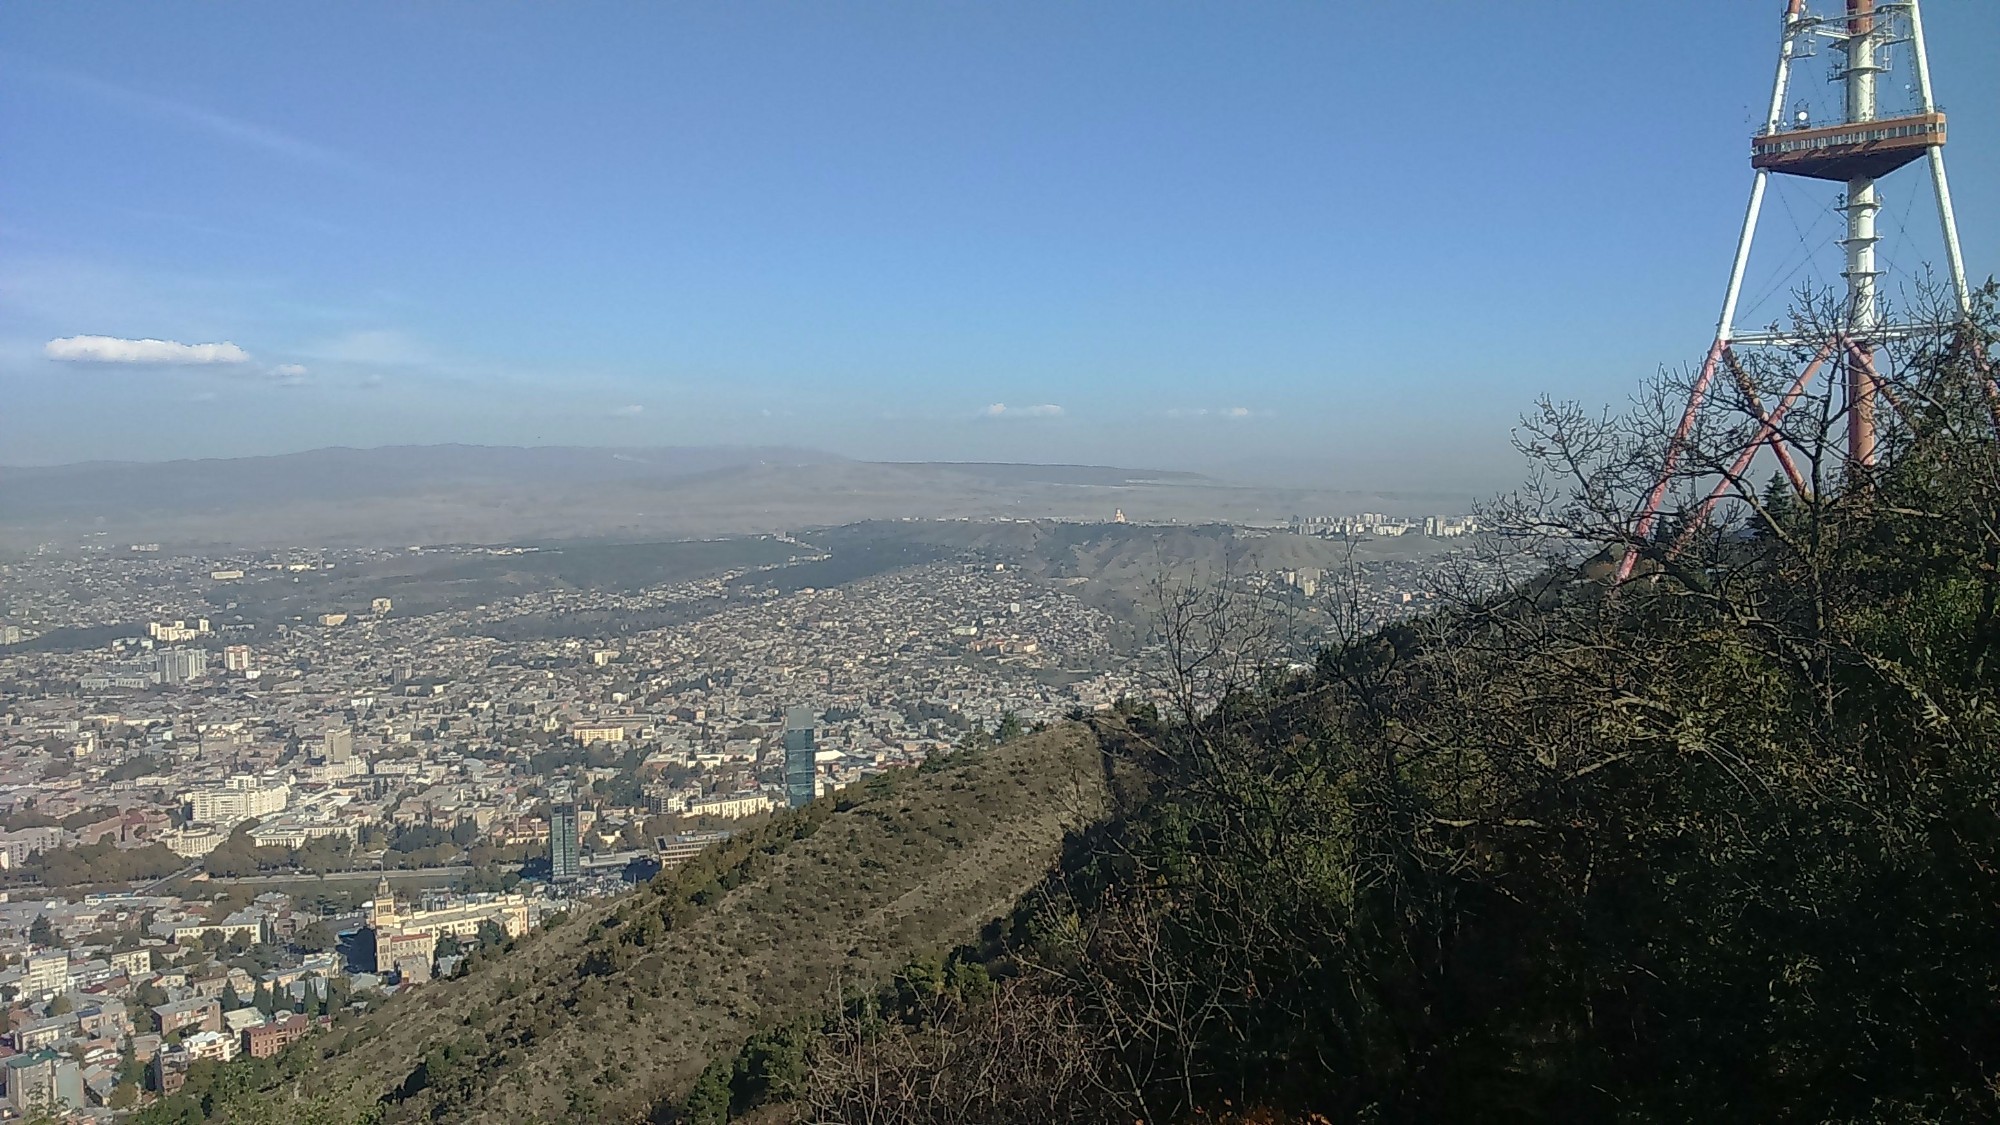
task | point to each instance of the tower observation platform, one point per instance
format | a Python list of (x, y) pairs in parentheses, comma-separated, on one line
[(1846, 152)]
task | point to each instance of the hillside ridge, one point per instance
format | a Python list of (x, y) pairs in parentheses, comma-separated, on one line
[(609, 1016)]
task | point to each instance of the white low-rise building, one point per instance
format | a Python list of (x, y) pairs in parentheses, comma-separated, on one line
[(732, 806)]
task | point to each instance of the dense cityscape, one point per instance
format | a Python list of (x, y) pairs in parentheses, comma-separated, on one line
[(224, 822)]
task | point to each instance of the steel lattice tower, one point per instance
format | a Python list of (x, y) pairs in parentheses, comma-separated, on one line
[(1857, 151)]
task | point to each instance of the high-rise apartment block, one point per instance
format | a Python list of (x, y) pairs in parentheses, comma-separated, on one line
[(179, 665), (236, 658), (801, 773), (337, 746)]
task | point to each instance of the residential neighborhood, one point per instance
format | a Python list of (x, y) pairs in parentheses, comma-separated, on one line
[(230, 812)]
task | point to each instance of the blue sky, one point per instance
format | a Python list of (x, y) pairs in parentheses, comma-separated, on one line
[(1355, 240)]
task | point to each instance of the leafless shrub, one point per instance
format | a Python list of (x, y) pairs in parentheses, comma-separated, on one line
[(1024, 1055)]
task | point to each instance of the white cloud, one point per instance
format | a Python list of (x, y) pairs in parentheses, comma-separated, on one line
[(632, 410), (289, 372), (1231, 413), (112, 349), (1002, 410)]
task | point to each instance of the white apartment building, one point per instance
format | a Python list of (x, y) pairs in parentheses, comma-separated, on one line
[(18, 845), (243, 798), (176, 631), (46, 974), (218, 1045), (192, 843)]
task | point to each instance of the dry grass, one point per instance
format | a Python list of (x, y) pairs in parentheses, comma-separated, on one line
[(915, 862)]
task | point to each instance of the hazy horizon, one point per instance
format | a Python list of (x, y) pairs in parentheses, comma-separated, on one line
[(1280, 472), (1205, 239)]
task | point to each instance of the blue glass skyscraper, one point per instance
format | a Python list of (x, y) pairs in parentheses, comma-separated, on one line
[(564, 837), (799, 750)]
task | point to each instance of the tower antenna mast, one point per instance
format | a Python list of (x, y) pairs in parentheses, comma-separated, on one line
[(1857, 151)]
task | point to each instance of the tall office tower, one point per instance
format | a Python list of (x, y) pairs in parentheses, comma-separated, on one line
[(564, 837), (338, 745), (799, 766), (179, 665)]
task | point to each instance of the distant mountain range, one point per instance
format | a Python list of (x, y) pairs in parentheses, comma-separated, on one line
[(491, 494), (94, 488)]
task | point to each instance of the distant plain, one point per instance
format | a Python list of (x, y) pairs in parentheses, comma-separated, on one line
[(406, 495)]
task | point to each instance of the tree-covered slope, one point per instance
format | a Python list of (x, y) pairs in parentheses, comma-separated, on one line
[(1720, 842)]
